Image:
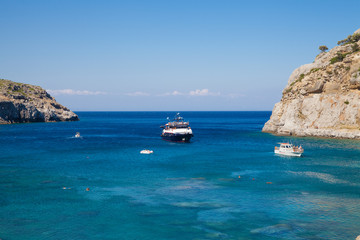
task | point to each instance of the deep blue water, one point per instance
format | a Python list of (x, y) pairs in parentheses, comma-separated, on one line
[(182, 191)]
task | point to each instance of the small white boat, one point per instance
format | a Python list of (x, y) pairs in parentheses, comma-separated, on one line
[(77, 135), (146, 151), (288, 149)]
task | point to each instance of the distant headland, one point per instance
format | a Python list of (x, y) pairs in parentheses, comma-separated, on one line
[(21, 103), (322, 98)]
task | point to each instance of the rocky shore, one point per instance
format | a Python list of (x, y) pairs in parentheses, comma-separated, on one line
[(322, 98), (21, 103)]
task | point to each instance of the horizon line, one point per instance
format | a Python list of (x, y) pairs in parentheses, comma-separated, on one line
[(172, 111)]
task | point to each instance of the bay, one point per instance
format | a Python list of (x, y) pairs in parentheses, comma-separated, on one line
[(226, 184)]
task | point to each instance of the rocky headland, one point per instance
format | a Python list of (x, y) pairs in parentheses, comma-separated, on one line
[(20, 103), (322, 98)]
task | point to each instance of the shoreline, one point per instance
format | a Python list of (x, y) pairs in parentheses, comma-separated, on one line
[(312, 136)]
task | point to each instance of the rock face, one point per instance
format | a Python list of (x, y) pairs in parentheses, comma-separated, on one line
[(322, 98), (20, 103)]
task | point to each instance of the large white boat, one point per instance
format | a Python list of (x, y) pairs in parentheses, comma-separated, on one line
[(177, 131), (288, 149)]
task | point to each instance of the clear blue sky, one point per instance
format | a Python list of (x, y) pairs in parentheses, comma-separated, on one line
[(167, 55)]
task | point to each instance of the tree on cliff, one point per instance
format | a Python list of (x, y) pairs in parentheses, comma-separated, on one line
[(350, 39), (323, 48)]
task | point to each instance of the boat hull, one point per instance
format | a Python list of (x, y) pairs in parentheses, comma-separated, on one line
[(176, 137), (291, 154), (146, 152)]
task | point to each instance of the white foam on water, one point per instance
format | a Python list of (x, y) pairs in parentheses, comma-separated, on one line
[(246, 172), (274, 229), (198, 204), (216, 215), (324, 177), (213, 233), (137, 194), (186, 187)]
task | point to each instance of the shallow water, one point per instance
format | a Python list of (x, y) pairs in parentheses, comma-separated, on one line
[(225, 184)]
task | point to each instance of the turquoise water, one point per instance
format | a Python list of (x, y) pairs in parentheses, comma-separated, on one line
[(182, 191)]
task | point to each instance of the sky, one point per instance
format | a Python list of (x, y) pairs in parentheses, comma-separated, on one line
[(173, 55)]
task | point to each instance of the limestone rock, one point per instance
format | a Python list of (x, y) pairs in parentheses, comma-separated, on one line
[(355, 78), (316, 88), (321, 98), (20, 103)]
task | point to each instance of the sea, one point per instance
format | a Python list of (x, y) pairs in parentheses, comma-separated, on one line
[(227, 183)]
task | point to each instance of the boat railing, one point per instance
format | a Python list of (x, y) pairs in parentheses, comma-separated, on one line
[(185, 124)]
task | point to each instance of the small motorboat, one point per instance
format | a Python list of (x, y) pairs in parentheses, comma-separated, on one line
[(289, 149), (77, 135), (146, 151)]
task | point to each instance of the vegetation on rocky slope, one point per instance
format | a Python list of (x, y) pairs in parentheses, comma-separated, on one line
[(28, 103), (322, 98), (16, 90)]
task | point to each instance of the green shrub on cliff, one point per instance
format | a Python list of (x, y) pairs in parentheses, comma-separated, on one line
[(355, 47), (350, 39), (301, 77), (314, 70), (323, 48), (339, 57)]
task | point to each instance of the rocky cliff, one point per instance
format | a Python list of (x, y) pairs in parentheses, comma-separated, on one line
[(322, 98), (21, 103)]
